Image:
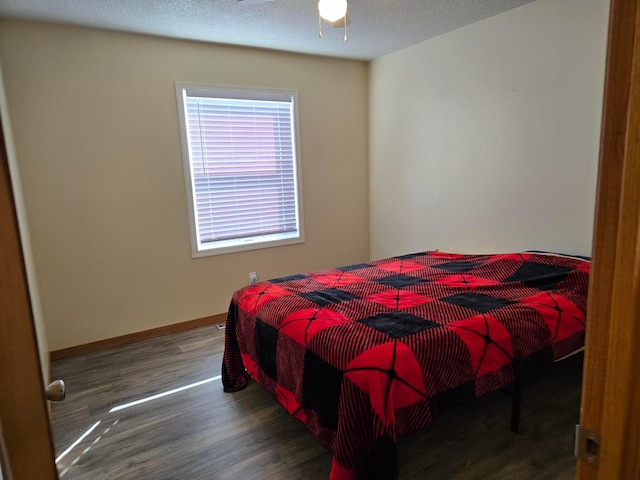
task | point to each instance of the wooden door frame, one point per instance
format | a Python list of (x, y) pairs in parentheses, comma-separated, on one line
[(28, 451), (609, 391)]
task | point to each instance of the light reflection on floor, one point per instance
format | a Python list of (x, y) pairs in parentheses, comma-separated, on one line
[(115, 422)]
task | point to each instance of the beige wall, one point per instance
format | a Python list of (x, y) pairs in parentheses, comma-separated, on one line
[(483, 139), (96, 132), (486, 139)]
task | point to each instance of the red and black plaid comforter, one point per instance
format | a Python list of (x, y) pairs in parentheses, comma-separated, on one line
[(365, 353)]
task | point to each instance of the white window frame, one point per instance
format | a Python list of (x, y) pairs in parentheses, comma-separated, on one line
[(198, 248)]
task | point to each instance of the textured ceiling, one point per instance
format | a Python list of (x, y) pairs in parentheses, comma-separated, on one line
[(377, 27)]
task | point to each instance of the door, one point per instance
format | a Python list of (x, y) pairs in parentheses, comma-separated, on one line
[(24, 418), (609, 396)]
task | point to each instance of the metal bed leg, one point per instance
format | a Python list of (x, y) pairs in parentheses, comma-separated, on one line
[(516, 398)]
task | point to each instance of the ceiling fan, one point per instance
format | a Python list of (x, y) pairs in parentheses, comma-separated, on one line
[(334, 12)]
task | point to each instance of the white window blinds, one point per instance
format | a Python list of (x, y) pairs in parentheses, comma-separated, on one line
[(242, 167)]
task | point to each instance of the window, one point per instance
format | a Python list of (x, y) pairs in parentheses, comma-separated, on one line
[(241, 167)]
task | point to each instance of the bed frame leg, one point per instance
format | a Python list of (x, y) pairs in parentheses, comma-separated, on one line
[(516, 398)]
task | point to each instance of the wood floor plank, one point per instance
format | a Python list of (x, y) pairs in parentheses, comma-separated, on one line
[(203, 433)]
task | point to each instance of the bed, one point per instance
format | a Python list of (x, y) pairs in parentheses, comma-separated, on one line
[(365, 353)]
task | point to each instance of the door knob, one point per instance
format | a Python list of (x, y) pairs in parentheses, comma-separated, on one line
[(56, 391)]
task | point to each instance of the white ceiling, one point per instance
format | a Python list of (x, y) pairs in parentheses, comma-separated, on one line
[(377, 27)]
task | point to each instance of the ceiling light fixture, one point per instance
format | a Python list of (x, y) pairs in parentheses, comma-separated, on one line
[(332, 11)]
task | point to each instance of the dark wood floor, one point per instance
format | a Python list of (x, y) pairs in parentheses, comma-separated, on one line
[(203, 433)]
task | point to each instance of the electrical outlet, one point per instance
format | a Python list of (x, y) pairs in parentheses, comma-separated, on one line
[(253, 278)]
